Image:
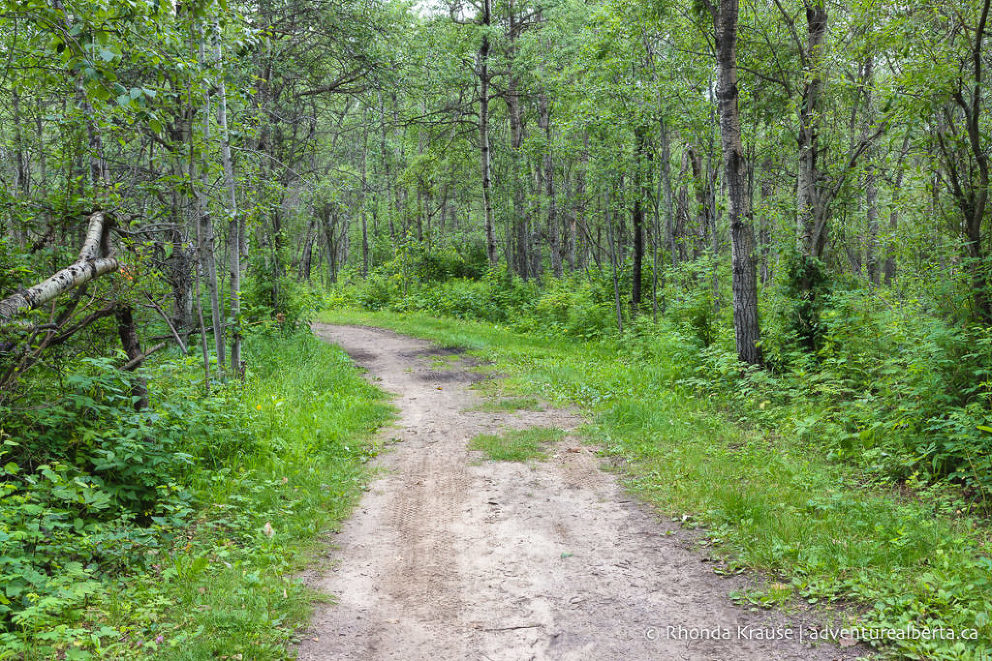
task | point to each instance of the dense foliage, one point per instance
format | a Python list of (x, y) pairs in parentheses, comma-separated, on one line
[(178, 528), (890, 388)]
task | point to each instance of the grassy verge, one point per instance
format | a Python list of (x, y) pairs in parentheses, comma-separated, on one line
[(234, 587), (509, 404), (769, 500)]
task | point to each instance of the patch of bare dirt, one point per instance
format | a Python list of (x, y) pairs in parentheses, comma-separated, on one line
[(452, 556)]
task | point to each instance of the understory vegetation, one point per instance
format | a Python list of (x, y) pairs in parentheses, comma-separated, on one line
[(855, 475), (177, 531), (891, 388)]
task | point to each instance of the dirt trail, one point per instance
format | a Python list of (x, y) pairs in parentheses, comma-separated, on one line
[(452, 556)]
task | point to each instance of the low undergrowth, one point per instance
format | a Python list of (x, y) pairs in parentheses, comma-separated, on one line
[(759, 477), (176, 532)]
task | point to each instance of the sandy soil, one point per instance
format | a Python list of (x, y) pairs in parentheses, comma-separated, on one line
[(453, 556)]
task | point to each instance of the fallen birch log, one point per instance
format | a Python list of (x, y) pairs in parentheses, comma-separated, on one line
[(95, 259)]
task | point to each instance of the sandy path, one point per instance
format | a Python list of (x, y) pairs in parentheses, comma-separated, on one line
[(452, 556)]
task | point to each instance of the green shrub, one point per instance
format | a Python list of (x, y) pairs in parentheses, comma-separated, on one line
[(269, 296)]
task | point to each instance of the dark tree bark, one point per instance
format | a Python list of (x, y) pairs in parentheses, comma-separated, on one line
[(486, 20), (872, 261), (744, 281), (520, 248), (128, 333), (811, 219), (889, 267), (554, 233), (637, 218), (967, 170)]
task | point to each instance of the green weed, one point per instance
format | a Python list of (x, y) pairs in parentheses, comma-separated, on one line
[(508, 404), (179, 533), (517, 444)]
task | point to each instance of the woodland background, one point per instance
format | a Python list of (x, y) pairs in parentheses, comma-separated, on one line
[(777, 209)]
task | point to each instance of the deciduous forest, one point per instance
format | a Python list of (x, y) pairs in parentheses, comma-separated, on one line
[(749, 243)]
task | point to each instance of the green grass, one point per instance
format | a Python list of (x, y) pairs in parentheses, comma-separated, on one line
[(235, 590), (509, 404), (768, 497), (264, 492), (517, 444)]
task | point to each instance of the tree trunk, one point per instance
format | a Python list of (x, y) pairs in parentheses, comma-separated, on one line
[(811, 217), (889, 268), (637, 220), (491, 249), (234, 234), (521, 251), (666, 182), (128, 333), (872, 263), (744, 281), (206, 252), (554, 233), (610, 237)]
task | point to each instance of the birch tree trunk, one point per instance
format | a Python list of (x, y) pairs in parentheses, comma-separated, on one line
[(491, 250), (95, 259), (208, 260), (234, 233), (637, 220)]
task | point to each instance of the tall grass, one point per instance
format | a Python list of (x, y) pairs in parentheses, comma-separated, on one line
[(235, 589)]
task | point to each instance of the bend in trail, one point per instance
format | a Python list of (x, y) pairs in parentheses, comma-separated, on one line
[(450, 556)]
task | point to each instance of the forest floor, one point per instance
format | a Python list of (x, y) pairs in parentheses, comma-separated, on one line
[(453, 556)]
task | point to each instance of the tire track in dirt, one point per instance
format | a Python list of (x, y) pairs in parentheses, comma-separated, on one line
[(450, 556)]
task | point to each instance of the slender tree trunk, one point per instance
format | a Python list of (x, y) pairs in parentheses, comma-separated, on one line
[(666, 182), (637, 220), (521, 252), (128, 333), (554, 233), (811, 220), (662, 191), (208, 259), (889, 268), (871, 213), (365, 185), (610, 237), (744, 281), (491, 249), (234, 229), (872, 262)]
